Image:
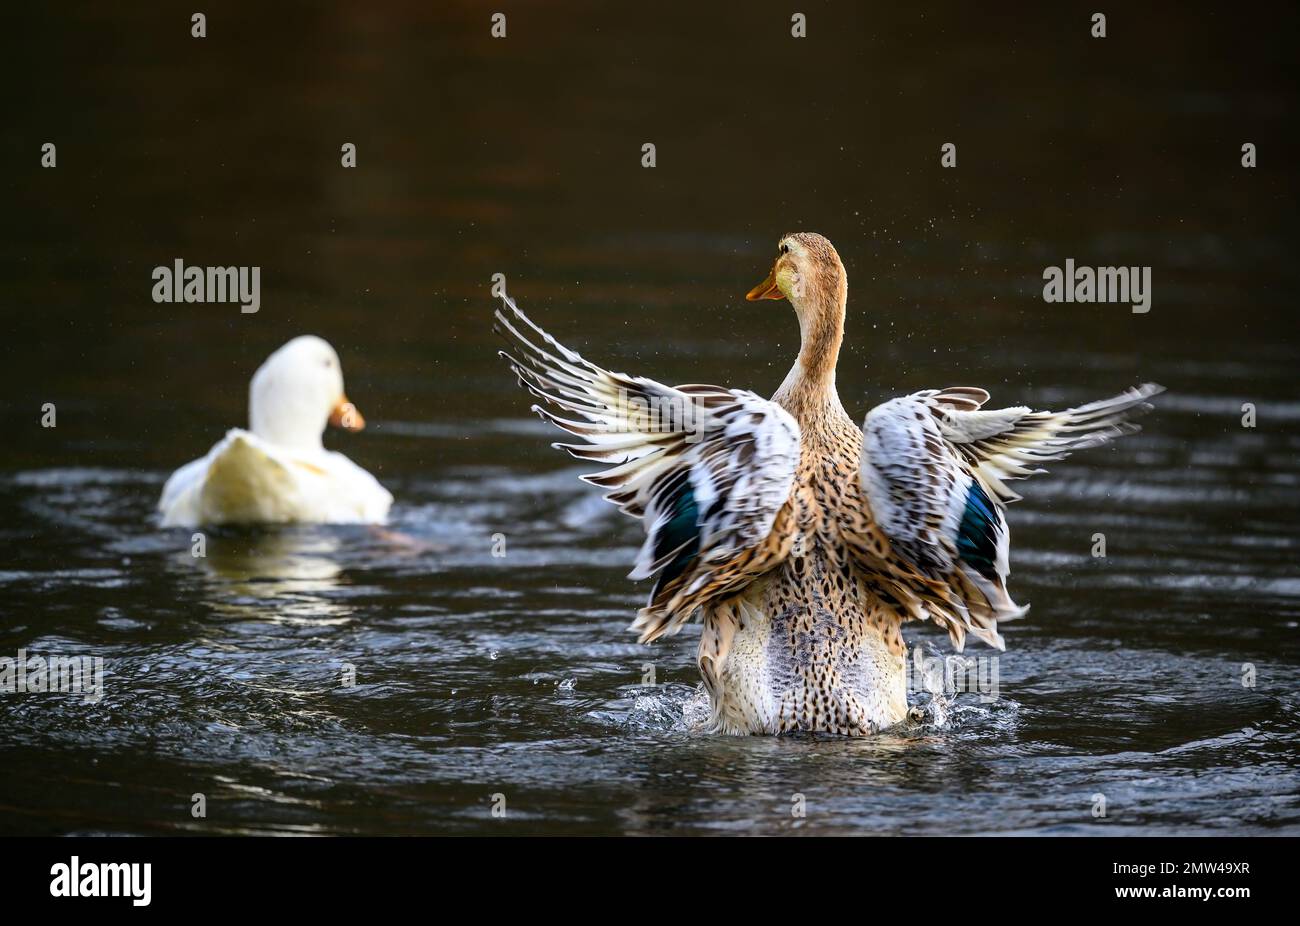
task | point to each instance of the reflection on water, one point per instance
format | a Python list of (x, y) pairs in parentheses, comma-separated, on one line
[(477, 674), (284, 575)]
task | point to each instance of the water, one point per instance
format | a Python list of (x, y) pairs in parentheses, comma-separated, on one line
[(479, 675)]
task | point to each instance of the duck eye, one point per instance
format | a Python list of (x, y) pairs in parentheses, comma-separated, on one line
[(785, 249)]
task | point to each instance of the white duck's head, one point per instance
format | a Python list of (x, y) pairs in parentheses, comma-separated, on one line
[(296, 392)]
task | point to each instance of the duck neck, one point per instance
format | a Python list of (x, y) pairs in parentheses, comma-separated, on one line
[(286, 423), (809, 388)]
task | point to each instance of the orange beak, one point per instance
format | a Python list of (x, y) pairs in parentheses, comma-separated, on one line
[(346, 416), (767, 289)]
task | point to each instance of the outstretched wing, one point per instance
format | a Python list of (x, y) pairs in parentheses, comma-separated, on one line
[(934, 472), (709, 470)]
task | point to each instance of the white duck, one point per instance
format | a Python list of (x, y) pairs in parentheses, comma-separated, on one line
[(278, 471)]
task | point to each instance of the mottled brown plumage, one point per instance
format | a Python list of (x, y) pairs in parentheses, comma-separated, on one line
[(802, 543)]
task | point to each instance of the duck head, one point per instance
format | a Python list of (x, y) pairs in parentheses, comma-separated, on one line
[(296, 392), (807, 271)]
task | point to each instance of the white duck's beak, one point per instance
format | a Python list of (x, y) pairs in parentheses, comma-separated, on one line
[(346, 416)]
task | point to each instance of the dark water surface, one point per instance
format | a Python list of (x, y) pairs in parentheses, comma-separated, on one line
[(479, 675)]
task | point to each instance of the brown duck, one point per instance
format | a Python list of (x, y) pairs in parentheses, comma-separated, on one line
[(801, 541)]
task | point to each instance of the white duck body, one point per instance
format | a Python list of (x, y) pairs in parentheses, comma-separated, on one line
[(278, 471)]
